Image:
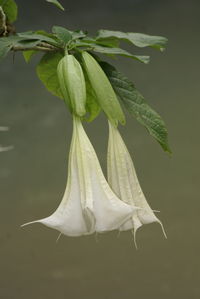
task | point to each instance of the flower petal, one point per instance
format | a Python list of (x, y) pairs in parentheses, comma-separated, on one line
[(69, 218), (124, 182), (88, 204), (108, 210)]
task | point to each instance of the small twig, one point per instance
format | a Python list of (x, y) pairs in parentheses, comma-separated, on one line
[(46, 45), (36, 48), (40, 47)]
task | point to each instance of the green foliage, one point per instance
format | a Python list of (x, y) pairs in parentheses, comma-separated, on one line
[(103, 82), (56, 3), (24, 40), (118, 51), (47, 72), (29, 54), (6, 44), (47, 34), (78, 34), (137, 39), (27, 44), (136, 105), (108, 42), (4, 49), (62, 34), (39, 36), (10, 9), (108, 50)]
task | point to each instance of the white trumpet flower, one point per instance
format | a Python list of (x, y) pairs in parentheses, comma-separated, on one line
[(124, 182), (88, 204)]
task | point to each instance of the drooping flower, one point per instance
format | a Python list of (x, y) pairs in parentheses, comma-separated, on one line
[(124, 182), (88, 204)]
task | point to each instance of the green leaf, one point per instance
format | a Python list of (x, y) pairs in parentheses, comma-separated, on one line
[(47, 72), (10, 9), (118, 51), (108, 42), (112, 51), (56, 3), (47, 34), (62, 34), (4, 49), (78, 34), (26, 40), (6, 44), (28, 43), (29, 54), (137, 39), (136, 105), (41, 37)]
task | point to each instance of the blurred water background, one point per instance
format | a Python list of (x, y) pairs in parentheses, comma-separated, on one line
[(33, 175)]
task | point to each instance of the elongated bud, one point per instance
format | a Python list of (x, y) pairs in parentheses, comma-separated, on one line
[(105, 94), (72, 84)]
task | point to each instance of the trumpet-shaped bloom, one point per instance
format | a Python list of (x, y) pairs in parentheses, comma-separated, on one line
[(88, 204), (124, 182)]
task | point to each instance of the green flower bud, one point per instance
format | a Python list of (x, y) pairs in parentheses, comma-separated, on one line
[(72, 84), (104, 92)]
